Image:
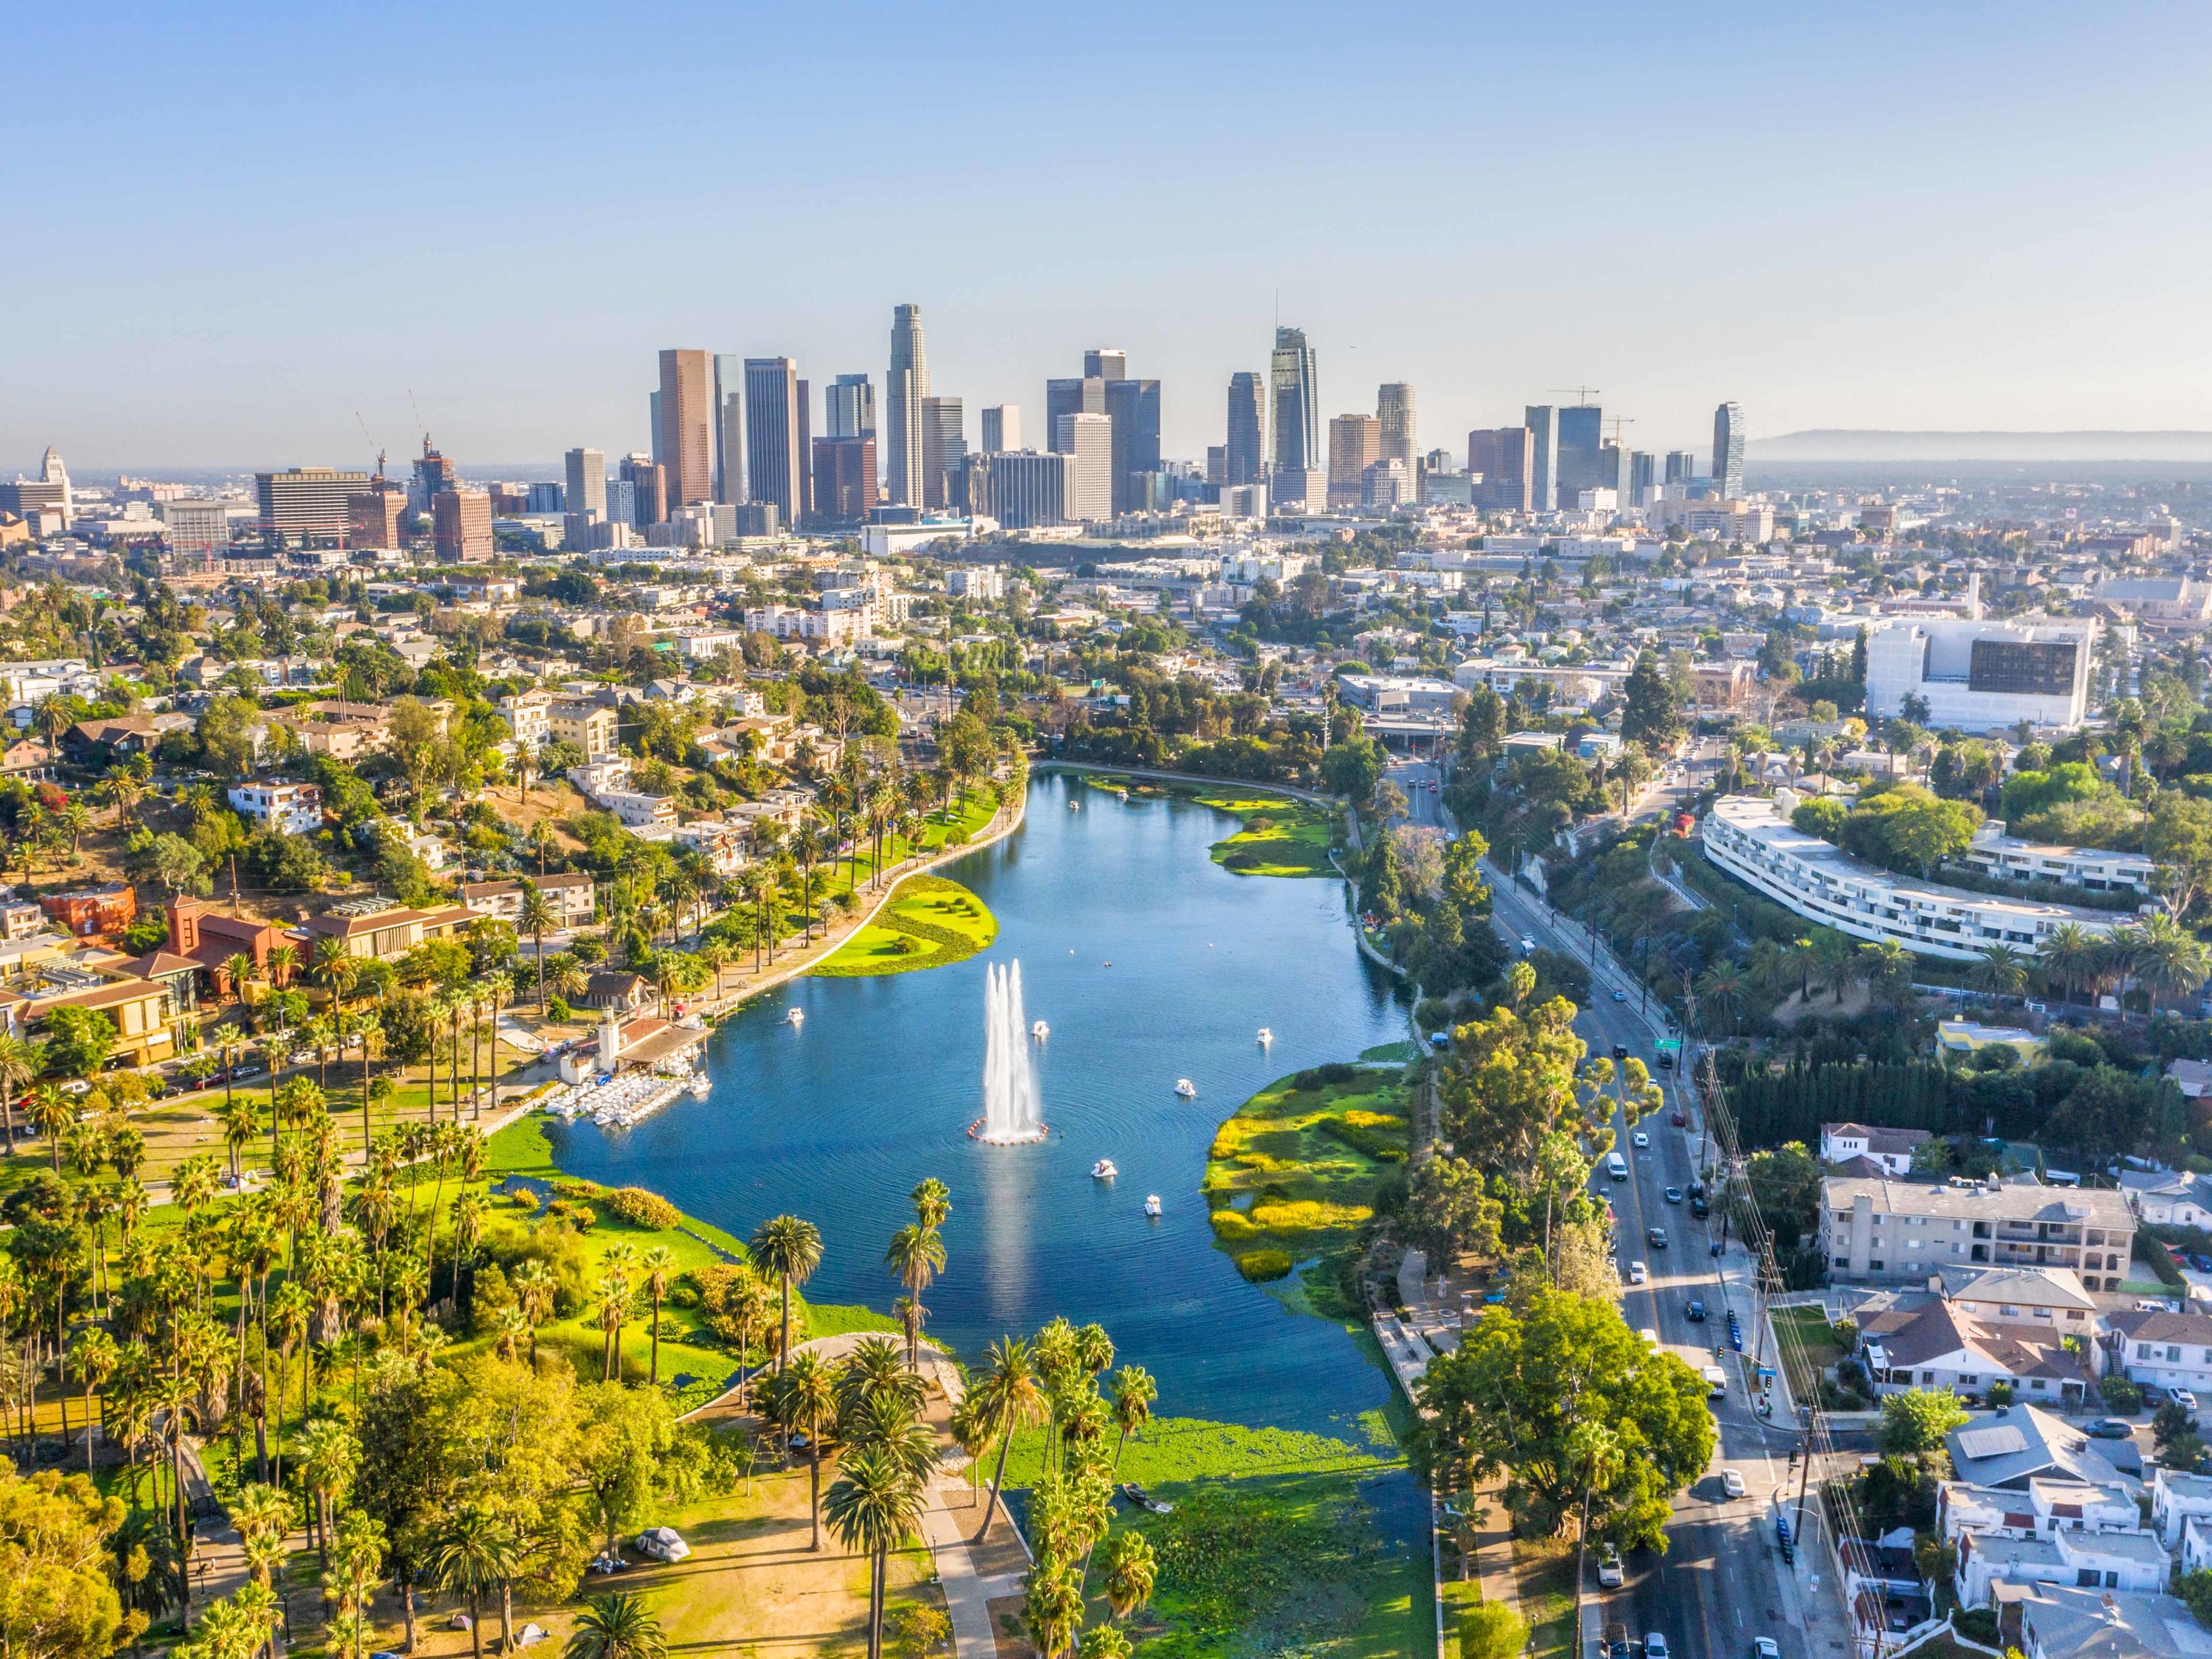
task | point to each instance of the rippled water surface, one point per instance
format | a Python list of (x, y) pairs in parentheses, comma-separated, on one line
[(838, 1119)]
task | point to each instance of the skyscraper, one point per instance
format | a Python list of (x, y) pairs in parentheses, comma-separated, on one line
[(433, 472), (1506, 458), (904, 388), (648, 482), (200, 530), (773, 455), (944, 449), (587, 481), (685, 444), (1294, 385), (1579, 466), (1002, 428), (1681, 465), (1247, 428), (1021, 488), (1728, 451), (844, 478), (1394, 407), (852, 410), (1105, 364), (306, 505), (1542, 420), (1355, 442), (463, 522), (729, 427), (1643, 474), (1134, 407), (1087, 441), (804, 404), (1083, 395)]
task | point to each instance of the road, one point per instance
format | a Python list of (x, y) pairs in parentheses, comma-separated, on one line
[(1423, 783), (1717, 1586)]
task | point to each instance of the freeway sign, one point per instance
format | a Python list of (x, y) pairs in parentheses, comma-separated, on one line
[(1669, 1045)]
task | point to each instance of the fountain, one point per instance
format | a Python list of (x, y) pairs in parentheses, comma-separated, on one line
[(1009, 1089)]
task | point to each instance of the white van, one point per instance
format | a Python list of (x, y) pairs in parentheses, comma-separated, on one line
[(1715, 1382), (1616, 1166), (1651, 1338)]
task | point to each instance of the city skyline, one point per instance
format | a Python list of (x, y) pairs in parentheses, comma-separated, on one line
[(1884, 255)]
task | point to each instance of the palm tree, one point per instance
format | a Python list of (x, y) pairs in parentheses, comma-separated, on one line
[(617, 1626), (1596, 1451), (478, 1554), (534, 1290), (1838, 958), (1130, 1572), (1009, 1396), (806, 1399), (1770, 969), (21, 1062), (916, 1255), (1888, 968), (791, 1249), (2001, 970), (658, 1264), (97, 1357), (51, 1112), (2171, 959), (534, 917), (329, 1454), (2070, 954), (874, 1505), (1133, 1393)]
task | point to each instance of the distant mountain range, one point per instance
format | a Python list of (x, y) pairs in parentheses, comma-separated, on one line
[(1838, 444)]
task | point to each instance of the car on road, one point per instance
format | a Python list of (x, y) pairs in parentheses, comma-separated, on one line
[(1616, 1639), (1641, 1141), (1527, 946), (1699, 1208), (1680, 1119), (1694, 1312), (1674, 1195), (1620, 996), (2111, 1428), (1654, 1645), (1621, 1052), (1666, 1062), (1609, 1573), (1764, 1648), (1732, 1483), (1656, 1236), (1639, 1272)]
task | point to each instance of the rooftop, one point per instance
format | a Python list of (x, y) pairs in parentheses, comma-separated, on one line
[(1981, 1200)]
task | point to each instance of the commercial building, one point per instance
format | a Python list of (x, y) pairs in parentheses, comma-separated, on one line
[(433, 473), (1581, 428), (1681, 466), (1245, 454), (1751, 838), (1542, 420), (50, 491), (729, 429), (1873, 1228), (295, 809), (1023, 490), (1393, 409), (685, 443), (1981, 675), (1294, 390), (905, 387), (1087, 441), (199, 528), (462, 521), (1355, 442), (1083, 394), (1002, 428), (1134, 407), (774, 457), (642, 502), (943, 450), (1728, 451), (305, 506), (383, 928), (844, 479), (587, 482), (1504, 459), (850, 411)]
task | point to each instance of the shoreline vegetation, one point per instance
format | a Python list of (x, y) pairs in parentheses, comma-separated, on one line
[(1282, 835), (931, 922)]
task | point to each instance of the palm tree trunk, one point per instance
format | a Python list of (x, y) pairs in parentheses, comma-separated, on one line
[(814, 1482), (997, 1476), (476, 1625)]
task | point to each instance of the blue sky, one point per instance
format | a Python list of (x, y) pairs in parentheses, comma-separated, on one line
[(234, 225)]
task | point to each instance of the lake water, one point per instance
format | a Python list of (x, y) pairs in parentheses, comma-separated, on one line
[(838, 1119)]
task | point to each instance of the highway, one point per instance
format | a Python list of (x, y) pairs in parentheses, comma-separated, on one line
[(1716, 1587)]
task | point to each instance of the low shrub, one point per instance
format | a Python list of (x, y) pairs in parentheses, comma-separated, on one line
[(2121, 1394), (1369, 1140), (1231, 1224), (641, 1208), (571, 1188), (1261, 1265)]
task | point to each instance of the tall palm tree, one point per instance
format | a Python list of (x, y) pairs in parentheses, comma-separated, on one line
[(791, 1249), (1134, 1391), (874, 1505), (1130, 1572), (1888, 968), (478, 1553), (806, 1400), (535, 916), (1009, 1395), (617, 1626), (916, 1257), (1596, 1451), (2070, 952), (2172, 960), (2001, 970), (20, 1063), (1838, 957), (658, 1265)]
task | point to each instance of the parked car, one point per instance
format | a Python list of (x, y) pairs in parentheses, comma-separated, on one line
[(1699, 1208), (1695, 1312), (2111, 1428), (1609, 1573), (1654, 1645), (2183, 1398)]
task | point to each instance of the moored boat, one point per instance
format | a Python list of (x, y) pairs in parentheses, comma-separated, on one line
[(1103, 1169), (1186, 1088), (1152, 1206)]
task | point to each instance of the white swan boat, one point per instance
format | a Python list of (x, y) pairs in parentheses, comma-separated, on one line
[(1103, 1169), (1152, 1206), (1186, 1088), (1039, 1030), (795, 1016), (1266, 1036)]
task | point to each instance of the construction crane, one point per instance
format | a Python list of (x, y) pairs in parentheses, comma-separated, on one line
[(419, 427), (1583, 393), (372, 444), (1619, 422)]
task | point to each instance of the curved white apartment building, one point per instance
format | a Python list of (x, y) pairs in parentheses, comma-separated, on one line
[(1745, 836)]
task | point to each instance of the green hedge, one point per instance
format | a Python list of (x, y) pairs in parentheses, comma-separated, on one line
[(1262, 1266)]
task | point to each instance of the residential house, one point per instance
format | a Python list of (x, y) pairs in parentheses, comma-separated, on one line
[(2192, 1077), (1876, 1229), (93, 910), (572, 898), (595, 778), (1889, 1149), (637, 809), (2062, 1621), (2155, 1345), (2177, 1499), (2049, 1507), (295, 809), (1925, 1340), (344, 730), (384, 929), (95, 743), (591, 726), (2008, 1448), (2169, 1198), (528, 715), (27, 761), (622, 993), (2130, 1560)]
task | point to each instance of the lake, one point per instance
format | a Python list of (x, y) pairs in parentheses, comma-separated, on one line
[(1151, 963)]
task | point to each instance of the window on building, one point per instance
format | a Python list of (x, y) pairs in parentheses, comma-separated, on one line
[(1875, 1267)]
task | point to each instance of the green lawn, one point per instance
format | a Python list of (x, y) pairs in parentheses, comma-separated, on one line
[(1546, 1571), (1813, 1349), (1295, 1171), (929, 922)]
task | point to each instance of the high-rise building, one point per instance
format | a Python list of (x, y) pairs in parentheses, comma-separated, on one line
[(462, 519), (433, 472), (1134, 407), (201, 530), (944, 449), (1217, 464), (1105, 364), (1393, 408), (904, 388), (587, 481), (851, 407), (844, 479), (1293, 379), (544, 496), (49, 491), (1083, 395), (1728, 451), (1087, 441), (1614, 474), (622, 500), (1582, 435), (649, 482), (1021, 489), (1246, 446), (806, 420), (729, 427), (1002, 428), (1643, 473), (377, 517), (1542, 420), (1505, 458), (772, 449), (685, 443), (305, 506), (1355, 443), (1681, 465)]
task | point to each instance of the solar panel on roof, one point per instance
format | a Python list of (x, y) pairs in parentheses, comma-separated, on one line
[(1992, 1442)]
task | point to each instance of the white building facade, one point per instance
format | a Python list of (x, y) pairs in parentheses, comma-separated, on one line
[(1981, 675)]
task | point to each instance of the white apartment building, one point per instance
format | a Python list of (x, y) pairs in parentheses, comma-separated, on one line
[(572, 898), (1575, 686), (2157, 1346), (636, 810), (528, 715), (2131, 1560), (1899, 1232), (1981, 675), (1751, 838), (296, 809), (2007, 858), (985, 584), (785, 622)]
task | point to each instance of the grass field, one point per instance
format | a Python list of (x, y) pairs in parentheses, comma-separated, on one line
[(929, 922), (1544, 1571), (1295, 1171), (1811, 1352)]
